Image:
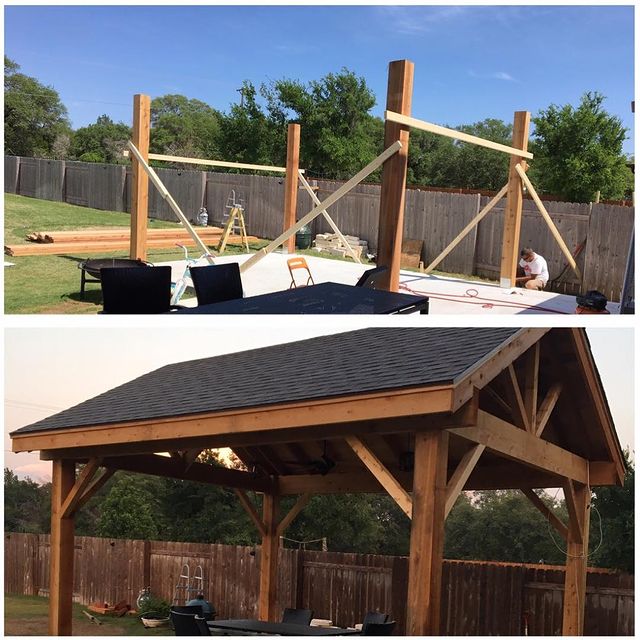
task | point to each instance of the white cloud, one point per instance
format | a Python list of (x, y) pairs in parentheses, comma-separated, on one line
[(416, 19), (493, 75)]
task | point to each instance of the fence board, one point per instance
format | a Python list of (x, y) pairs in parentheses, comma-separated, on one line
[(77, 183), (11, 171), (106, 187)]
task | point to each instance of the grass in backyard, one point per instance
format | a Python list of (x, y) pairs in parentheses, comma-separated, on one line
[(28, 616)]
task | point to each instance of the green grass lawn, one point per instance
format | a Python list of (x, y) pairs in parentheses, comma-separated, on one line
[(28, 616)]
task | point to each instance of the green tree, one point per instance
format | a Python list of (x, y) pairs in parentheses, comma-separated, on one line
[(578, 151), (34, 116), (26, 505), (184, 127), (102, 141)]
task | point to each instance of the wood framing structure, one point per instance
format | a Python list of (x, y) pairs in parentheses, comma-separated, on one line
[(139, 180), (421, 413), (291, 183)]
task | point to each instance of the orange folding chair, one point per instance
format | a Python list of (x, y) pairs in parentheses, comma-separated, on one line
[(299, 263)]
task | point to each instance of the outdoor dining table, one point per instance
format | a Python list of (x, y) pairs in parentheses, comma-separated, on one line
[(327, 297), (278, 628)]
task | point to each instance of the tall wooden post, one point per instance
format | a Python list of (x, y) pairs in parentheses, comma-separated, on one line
[(575, 582), (513, 209), (140, 181), (291, 183), (61, 561), (394, 174), (427, 533), (269, 559)]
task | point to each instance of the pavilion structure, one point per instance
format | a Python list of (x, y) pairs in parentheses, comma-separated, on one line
[(421, 413)]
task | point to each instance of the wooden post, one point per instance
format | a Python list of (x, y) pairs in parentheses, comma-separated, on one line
[(61, 579), (394, 174), (139, 179), (291, 183), (575, 583), (513, 209), (269, 559), (427, 533)]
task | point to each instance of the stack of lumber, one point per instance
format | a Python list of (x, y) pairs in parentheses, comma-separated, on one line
[(332, 244), (111, 239)]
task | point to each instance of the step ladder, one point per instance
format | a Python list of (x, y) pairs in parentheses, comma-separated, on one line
[(181, 592), (234, 222)]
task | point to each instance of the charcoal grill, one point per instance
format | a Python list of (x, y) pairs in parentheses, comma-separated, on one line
[(92, 268)]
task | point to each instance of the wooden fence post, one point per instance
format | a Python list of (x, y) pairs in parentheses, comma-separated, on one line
[(140, 181), (394, 174), (291, 184)]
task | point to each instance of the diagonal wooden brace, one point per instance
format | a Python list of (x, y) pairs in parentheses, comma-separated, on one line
[(71, 503)]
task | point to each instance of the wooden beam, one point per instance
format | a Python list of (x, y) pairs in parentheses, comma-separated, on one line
[(325, 204), (507, 440), (547, 218), (269, 560), (212, 163), (394, 175), (515, 399), (139, 181), (547, 406), (513, 207), (74, 496), (461, 475), (427, 534), (164, 192), (190, 456), (602, 474), (458, 239), (198, 472), (252, 420), (382, 474), (300, 504), (531, 375), (575, 584), (251, 511), (573, 509), (94, 487), (423, 125), (291, 184), (551, 517), (61, 553)]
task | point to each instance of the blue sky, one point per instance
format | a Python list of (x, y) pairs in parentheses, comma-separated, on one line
[(471, 62)]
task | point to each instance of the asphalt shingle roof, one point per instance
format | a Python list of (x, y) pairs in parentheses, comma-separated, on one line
[(355, 362)]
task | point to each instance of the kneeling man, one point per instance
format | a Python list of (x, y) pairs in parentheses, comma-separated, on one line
[(536, 273)]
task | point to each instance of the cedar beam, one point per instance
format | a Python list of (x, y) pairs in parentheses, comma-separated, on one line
[(291, 184), (247, 505), (461, 475), (269, 559), (573, 509), (516, 402), (61, 553), (394, 174), (553, 519), (74, 497), (139, 180), (95, 486), (300, 504), (547, 407), (427, 534), (513, 207), (531, 374), (381, 473)]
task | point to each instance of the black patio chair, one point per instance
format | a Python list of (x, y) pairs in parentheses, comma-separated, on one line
[(132, 290), (378, 628), (217, 282), (184, 624), (191, 609), (297, 616), (371, 279), (374, 616), (202, 626)]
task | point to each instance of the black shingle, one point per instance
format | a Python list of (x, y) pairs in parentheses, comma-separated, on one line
[(367, 360)]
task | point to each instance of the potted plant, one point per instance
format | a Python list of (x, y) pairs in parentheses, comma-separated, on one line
[(154, 612)]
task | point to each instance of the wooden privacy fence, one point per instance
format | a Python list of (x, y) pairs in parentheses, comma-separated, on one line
[(604, 231), (479, 598)]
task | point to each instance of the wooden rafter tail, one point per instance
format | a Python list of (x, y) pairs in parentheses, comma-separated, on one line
[(251, 511), (153, 176), (317, 210), (458, 239), (328, 218), (553, 519), (72, 501), (454, 133), (382, 474), (549, 221), (294, 512), (461, 475)]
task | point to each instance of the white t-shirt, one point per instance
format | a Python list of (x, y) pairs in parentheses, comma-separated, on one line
[(537, 267)]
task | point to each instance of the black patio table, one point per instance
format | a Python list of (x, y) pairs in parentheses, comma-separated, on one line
[(279, 628), (327, 297)]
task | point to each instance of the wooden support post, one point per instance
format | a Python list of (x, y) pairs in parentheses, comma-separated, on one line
[(269, 559), (61, 579), (575, 583), (532, 367), (139, 179), (427, 533), (291, 183), (394, 174), (513, 209)]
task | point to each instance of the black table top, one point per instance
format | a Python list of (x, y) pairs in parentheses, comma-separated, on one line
[(327, 297), (279, 628)]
